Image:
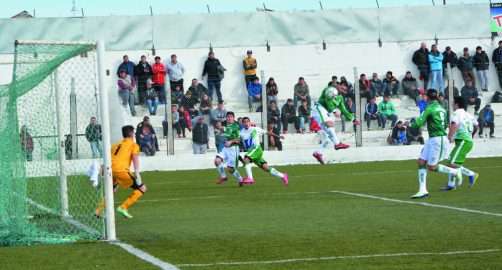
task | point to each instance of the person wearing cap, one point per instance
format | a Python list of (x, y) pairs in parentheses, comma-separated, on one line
[(482, 63), (465, 65), (497, 61), (126, 85), (449, 56), (249, 64), (436, 67)]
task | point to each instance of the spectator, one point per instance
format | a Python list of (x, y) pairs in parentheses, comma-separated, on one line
[(334, 81), (449, 56), (152, 99), (249, 64), (371, 112), (254, 92), (219, 114), (376, 86), (205, 106), (147, 141), (410, 86), (456, 93), (436, 67), (185, 120), (487, 119), (471, 95), (398, 136), (200, 136), (351, 107), (176, 94), (93, 136), (497, 61), (421, 101), (386, 111), (176, 71), (272, 90), (390, 84), (126, 91), (301, 92), (421, 60), (303, 115), (215, 72), (465, 65), (126, 65), (482, 63), (288, 114), (142, 72), (364, 86), (177, 124), (414, 134), (219, 136), (348, 90), (159, 79), (274, 117), (188, 102), (26, 143), (274, 140), (139, 129), (198, 89)]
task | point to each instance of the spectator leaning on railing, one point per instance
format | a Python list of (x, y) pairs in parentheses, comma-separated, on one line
[(465, 65), (497, 61), (93, 136), (421, 60), (482, 63), (200, 136), (126, 87), (249, 64), (175, 70), (386, 111), (142, 72)]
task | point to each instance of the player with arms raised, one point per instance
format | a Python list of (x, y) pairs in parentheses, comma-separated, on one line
[(229, 155)]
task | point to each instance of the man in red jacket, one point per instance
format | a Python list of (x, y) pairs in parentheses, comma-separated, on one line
[(159, 78)]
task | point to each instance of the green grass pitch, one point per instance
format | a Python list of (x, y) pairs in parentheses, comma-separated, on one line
[(186, 219)]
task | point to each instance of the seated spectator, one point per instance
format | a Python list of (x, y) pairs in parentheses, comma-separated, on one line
[(410, 86), (348, 89), (219, 114), (197, 89), (200, 136), (219, 136), (254, 92), (26, 143), (188, 102), (176, 94), (205, 106), (272, 90), (183, 122), (466, 66), (139, 129), (471, 95), (152, 99), (274, 140), (486, 119), (334, 81), (371, 112), (364, 86), (456, 93), (376, 86), (414, 134), (288, 114), (303, 115), (351, 107), (274, 117), (126, 91), (301, 92), (390, 84), (147, 141), (159, 79), (398, 135), (386, 111)]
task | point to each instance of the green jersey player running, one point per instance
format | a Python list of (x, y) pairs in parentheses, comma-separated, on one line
[(254, 153), (463, 126), (322, 112), (229, 155), (436, 146)]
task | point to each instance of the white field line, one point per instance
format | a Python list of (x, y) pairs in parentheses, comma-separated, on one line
[(145, 256), (351, 257)]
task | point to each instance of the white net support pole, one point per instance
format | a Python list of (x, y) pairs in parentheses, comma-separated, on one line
[(450, 89), (264, 103), (107, 159), (359, 130)]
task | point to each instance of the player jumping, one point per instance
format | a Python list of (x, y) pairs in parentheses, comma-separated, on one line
[(229, 155), (463, 126), (254, 153), (322, 112), (436, 146)]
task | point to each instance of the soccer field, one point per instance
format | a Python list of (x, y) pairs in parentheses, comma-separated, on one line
[(340, 216)]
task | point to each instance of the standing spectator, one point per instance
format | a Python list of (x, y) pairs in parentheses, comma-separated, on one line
[(410, 86), (219, 114), (371, 112), (386, 111), (351, 107), (142, 72), (146, 123), (274, 117), (414, 134), (364, 86), (126, 65), (152, 99), (93, 136), (219, 136), (436, 66), (205, 106), (465, 65), (482, 63), (272, 90), (159, 79), (376, 86), (215, 72), (301, 92), (126, 90), (421, 60), (398, 135), (390, 84), (487, 119), (198, 89), (303, 115), (449, 56), (176, 71), (334, 81), (288, 114), (200, 136), (249, 64), (147, 141), (348, 90), (471, 95), (274, 140), (26, 143), (254, 92), (497, 61)]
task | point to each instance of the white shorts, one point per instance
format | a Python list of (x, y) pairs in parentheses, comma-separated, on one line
[(435, 150), (320, 114), (230, 156)]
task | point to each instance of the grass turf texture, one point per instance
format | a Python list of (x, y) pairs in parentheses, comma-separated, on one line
[(185, 218)]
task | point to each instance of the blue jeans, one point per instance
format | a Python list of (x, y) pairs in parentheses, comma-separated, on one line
[(128, 98), (152, 105), (436, 81), (302, 121), (214, 84), (483, 79), (383, 119), (252, 99), (161, 93), (96, 149)]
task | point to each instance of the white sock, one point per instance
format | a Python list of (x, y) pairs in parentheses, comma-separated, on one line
[(237, 175), (466, 171), (445, 169), (332, 135), (276, 173), (451, 180), (249, 171), (221, 170), (422, 180), (324, 142)]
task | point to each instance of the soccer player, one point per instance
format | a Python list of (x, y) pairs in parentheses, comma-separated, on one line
[(123, 153), (254, 153), (322, 112), (436, 146), (229, 155), (463, 126)]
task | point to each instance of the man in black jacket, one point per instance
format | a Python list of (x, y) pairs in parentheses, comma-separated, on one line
[(482, 63), (421, 60), (449, 56), (471, 96), (497, 60), (142, 72), (200, 136), (214, 71), (288, 114)]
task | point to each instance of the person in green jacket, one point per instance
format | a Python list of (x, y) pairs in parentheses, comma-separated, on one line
[(386, 111)]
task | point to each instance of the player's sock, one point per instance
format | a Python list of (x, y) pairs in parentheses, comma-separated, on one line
[(451, 180), (135, 195), (445, 169), (221, 170), (422, 180), (237, 175), (466, 171), (249, 171), (330, 132), (276, 173), (324, 142)]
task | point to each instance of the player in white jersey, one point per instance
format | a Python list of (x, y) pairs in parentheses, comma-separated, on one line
[(463, 126), (254, 153)]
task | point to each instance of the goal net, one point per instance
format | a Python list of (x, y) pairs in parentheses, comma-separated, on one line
[(47, 145)]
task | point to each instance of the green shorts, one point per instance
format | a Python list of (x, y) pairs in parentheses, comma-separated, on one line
[(255, 154), (460, 151)]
